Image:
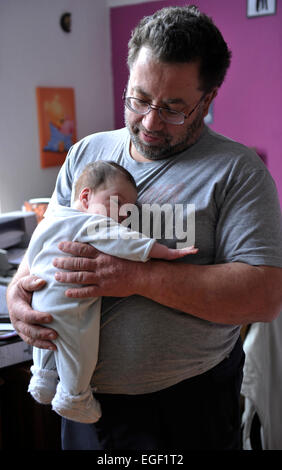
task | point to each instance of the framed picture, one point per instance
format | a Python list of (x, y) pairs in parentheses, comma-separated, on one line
[(260, 8), (56, 124)]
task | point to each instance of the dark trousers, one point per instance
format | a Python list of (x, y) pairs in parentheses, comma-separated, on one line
[(201, 413)]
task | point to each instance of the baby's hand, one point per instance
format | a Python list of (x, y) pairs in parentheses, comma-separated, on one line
[(180, 252), (163, 252)]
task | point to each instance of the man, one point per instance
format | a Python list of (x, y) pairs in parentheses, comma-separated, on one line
[(171, 359)]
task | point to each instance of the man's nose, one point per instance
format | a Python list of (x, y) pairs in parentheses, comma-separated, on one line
[(152, 120)]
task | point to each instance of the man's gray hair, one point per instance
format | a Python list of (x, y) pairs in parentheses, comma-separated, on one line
[(183, 35)]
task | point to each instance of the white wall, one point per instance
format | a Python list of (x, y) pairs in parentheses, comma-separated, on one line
[(34, 51)]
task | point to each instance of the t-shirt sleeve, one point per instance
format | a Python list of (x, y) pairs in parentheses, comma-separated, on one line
[(249, 223), (114, 239)]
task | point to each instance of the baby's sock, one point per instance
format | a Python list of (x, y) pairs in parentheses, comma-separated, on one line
[(83, 408), (43, 384)]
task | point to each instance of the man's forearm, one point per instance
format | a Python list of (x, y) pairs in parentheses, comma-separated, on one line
[(233, 293)]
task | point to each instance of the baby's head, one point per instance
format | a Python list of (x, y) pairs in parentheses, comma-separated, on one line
[(101, 185)]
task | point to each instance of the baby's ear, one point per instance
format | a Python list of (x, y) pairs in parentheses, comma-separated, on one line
[(84, 197)]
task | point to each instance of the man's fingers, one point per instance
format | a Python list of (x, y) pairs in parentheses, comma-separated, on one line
[(81, 277), (74, 264), (33, 317), (83, 292), (31, 325), (32, 284), (36, 335), (78, 249), (39, 343)]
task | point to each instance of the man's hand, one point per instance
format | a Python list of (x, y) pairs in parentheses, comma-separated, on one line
[(25, 320), (102, 275)]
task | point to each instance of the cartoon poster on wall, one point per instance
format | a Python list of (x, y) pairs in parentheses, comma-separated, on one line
[(57, 126)]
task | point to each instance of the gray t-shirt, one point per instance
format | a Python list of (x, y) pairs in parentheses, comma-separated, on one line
[(145, 346)]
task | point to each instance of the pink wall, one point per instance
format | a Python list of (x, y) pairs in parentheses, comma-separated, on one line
[(248, 106)]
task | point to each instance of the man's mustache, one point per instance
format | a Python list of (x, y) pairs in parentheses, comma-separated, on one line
[(139, 128)]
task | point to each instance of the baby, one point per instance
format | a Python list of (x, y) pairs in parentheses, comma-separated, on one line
[(62, 377)]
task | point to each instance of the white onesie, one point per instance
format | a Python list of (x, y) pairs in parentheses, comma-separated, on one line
[(77, 321)]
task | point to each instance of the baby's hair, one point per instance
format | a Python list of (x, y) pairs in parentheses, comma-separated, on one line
[(98, 173)]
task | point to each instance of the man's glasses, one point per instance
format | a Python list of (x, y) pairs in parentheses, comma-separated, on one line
[(165, 114)]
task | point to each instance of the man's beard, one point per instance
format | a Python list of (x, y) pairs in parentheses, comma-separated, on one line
[(166, 150)]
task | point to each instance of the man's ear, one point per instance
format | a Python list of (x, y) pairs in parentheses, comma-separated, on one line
[(84, 197), (208, 99)]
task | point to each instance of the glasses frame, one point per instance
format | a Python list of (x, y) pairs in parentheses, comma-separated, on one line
[(159, 109)]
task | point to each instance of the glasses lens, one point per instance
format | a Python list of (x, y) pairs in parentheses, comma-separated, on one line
[(141, 107), (171, 117), (138, 106)]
